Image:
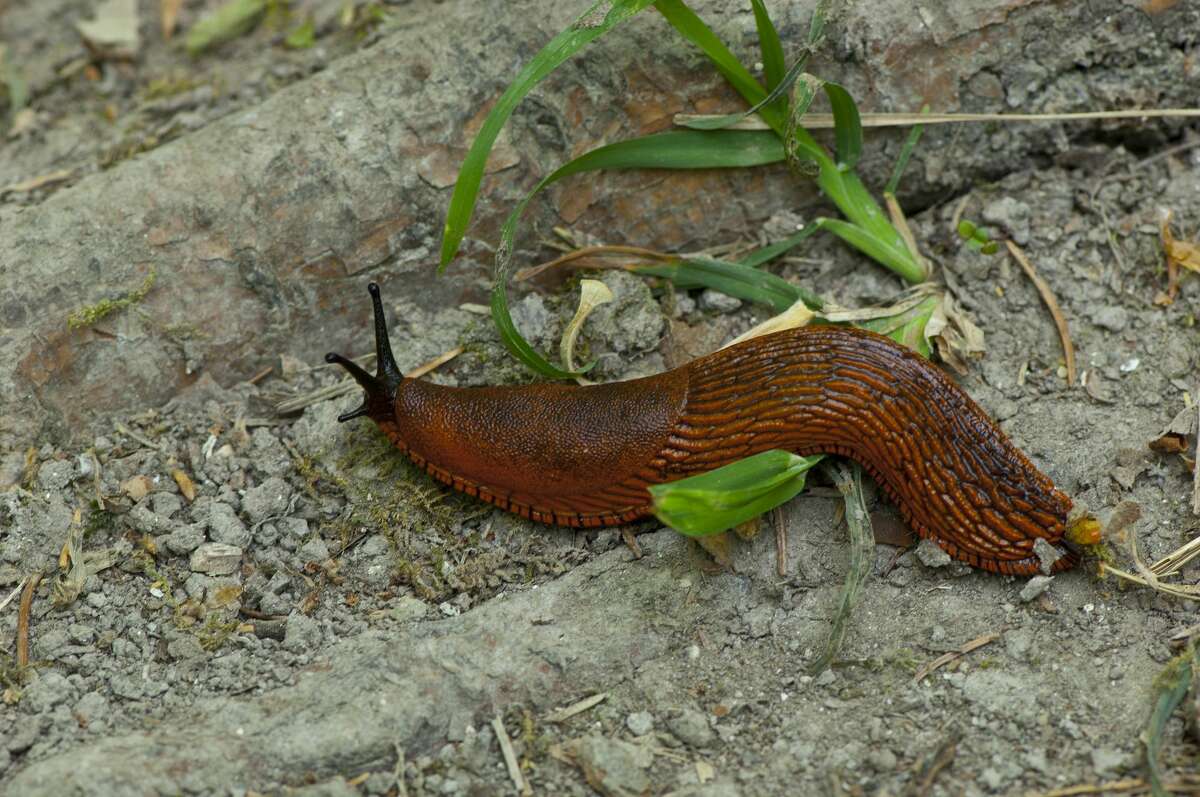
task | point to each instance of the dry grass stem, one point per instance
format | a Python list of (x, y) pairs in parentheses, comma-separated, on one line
[(1051, 303)]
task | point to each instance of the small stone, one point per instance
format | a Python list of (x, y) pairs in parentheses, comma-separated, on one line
[(882, 760), (640, 723), (315, 550), (50, 689), (301, 633), (49, 645), (826, 678), (1035, 587), (691, 727), (145, 521), (56, 474), (718, 302), (759, 620), (165, 504), (615, 766), (225, 526), (81, 634), (408, 608), (215, 558), (1047, 555), (130, 687), (184, 540), (269, 499), (1111, 317), (931, 555), (90, 707), (1012, 214), (991, 778)]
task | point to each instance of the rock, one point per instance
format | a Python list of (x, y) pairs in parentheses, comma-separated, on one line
[(882, 760), (1035, 587), (302, 633), (640, 723), (1011, 214), (614, 767), (215, 558), (1111, 317), (407, 609), (165, 504), (1107, 760), (143, 519), (50, 689), (267, 500), (931, 555), (315, 550), (183, 540), (56, 474), (225, 526), (185, 647), (691, 726), (718, 302), (90, 707)]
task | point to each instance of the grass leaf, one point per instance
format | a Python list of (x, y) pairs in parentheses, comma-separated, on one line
[(897, 258), (590, 25), (721, 499), (734, 279), (516, 343), (684, 20), (906, 152), (772, 251), (769, 45), (847, 126), (1171, 686)]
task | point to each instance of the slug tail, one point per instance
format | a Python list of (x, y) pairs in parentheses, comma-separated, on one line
[(381, 388)]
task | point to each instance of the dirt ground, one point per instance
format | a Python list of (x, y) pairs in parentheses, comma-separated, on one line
[(277, 604)]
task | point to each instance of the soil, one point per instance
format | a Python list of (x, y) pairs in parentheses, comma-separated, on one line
[(279, 604)]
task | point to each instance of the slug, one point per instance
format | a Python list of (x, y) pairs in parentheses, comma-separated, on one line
[(584, 456)]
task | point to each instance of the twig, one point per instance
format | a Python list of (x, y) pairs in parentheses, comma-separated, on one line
[(435, 363), (1051, 303), (577, 708), (510, 758), (12, 595), (401, 788), (900, 222), (261, 375), (589, 251), (933, 766), (23, 620), (125, 430), (946, 658)]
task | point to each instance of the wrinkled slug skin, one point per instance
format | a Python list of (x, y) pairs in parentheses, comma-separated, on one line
[(583, 456)]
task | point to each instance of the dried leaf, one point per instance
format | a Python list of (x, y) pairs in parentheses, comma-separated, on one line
[(955, 336), (186, 486), (34, 183), (168, 12)]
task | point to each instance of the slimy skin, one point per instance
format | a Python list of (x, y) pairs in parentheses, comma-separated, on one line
[(584, 455)]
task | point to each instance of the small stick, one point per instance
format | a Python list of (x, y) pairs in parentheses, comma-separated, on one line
[(577, 708), (631, 542), (510, 757), (900, 222), (23, 620), (125, 430), (1051, 302), (12, 595), (825, 120), (347, 386), (435, 363), (261, 375), (401, 788), (946, 658)]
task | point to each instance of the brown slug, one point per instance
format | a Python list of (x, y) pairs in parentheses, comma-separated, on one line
[(584, 456)]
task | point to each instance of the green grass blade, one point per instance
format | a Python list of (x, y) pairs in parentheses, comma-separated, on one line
[(769, 45), (1171, 686), (768, 253), (728, 120), (847, 126), (516, 343), (906, 152), (721, 499), (898, 259), (734, 279), (692, 28), (585, 29)]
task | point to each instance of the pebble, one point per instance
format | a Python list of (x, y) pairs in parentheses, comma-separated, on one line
[(56, 474), (931, 555), (301, 633), (1111, 317), (315, 550), (691, 726), (718, 302), (225, 526), (183, 540), (882, 759), (618, 765), (215, 558), (1035, 587), (266, 500), (640, 723)]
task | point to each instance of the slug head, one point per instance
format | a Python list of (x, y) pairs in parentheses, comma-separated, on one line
[(380, 388)]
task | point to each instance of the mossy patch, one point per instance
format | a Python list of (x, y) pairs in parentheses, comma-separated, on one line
[(86, 316)]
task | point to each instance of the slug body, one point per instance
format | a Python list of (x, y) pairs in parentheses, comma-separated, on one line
[(584, 456)]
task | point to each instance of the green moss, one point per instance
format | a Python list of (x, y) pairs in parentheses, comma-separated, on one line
[(86, 316)]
